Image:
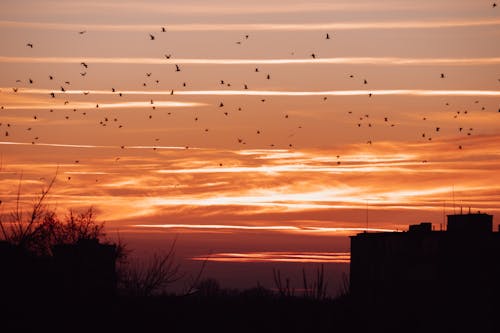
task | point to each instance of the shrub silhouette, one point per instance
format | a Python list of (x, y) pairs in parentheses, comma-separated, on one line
[(39, 229)]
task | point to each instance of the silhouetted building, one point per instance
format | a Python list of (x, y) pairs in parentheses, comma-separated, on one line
[(423, 267)]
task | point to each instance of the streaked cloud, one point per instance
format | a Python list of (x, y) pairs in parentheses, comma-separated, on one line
[(398, 61), (123, 105), (379, 92), (63, 145), (297, 257), (371, 25), (282, 228)]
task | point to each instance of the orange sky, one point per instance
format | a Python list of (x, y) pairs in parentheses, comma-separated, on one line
[(255, 149)]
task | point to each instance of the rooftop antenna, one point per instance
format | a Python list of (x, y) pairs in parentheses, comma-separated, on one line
[(444, 216), (453, 196), (366, 215)]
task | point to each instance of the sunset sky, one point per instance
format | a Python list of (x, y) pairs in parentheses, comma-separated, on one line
[(261, 133)]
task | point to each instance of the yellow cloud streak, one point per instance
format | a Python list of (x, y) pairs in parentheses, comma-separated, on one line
[(380, 92), (123, 105), (284, 61), (262, 228), (304, 257), (62, 145), (258, 26)]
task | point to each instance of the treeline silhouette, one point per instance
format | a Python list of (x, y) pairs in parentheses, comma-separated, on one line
[(62, 274)]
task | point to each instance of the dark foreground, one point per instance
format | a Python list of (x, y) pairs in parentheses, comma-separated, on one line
[(248, 311)]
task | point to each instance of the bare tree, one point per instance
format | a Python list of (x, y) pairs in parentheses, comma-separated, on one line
[(344, 286), (152, 277), (283, 286), (39, 228), (317, 288)]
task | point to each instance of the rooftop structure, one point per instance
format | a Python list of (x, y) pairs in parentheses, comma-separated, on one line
[(421, 266)]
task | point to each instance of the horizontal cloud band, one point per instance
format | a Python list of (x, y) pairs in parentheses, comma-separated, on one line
[(411, 92), (303, 257), (184, 61), (257, 26)]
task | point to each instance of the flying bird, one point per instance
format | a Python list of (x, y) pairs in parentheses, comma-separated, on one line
[(442, 75), (163, 29), (82, 32), (151, 37), (29, 45), (327, 36), (84, 64), (177, 68)]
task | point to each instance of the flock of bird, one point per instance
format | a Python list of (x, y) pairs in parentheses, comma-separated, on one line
[(363, 121)]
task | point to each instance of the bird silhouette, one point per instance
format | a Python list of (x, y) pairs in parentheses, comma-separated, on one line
[(84, 64), (29, 45), (163, 29), (313, 56), (177, 68), (327, 36), (151, 37), (82, 32), (442, 75)]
